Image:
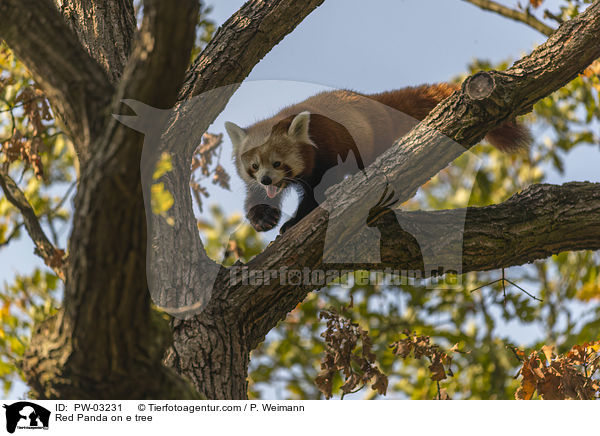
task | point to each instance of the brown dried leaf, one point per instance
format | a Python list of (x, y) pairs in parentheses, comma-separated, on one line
[(578, 354), (56, 260), (381, 384), (348, 349), (548, 352), (437, 368), (528, 383), (221, 177)]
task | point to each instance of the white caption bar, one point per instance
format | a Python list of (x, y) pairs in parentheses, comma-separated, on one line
[(291, 417)]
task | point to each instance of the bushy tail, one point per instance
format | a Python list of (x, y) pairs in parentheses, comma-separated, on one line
[(418, 101), (509, 137)]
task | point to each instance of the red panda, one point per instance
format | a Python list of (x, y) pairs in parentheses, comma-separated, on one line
[(297, 146)]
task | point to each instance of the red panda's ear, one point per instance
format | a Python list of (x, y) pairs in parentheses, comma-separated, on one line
[(299, 127), (236, 134)]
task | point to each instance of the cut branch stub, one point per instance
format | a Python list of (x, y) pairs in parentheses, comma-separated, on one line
[(479, 86)]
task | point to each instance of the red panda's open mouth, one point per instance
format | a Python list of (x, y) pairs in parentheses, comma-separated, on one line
[(274, 190)]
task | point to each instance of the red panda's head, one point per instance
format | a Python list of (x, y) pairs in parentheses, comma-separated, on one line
[(272, 155)]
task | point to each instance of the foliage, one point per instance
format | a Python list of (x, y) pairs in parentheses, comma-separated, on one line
[(28, 300), (571, 376), (343, 353), (39, 157), (228, 238)]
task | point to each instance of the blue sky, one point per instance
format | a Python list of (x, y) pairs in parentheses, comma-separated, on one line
[(365, 46)]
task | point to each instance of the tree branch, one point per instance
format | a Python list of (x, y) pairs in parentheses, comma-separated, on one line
[(513, 14), (161, 53), (52, 256), (540, 221), (76, 86), (105, 28)]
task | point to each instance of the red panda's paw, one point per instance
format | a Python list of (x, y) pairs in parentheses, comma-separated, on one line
[(263, 217)]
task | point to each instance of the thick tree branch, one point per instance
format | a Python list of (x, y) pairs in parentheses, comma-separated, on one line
[(52, 256), (513, 14), (540, 221), (105, 28), (76, 86), (161, 53)]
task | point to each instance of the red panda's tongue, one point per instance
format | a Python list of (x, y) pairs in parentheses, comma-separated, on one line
[(271, 191)]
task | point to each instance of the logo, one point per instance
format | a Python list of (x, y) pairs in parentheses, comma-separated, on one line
[(26, 415)]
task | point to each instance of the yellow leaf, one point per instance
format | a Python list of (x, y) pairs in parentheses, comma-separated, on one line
[(162, 200), (163, 166)]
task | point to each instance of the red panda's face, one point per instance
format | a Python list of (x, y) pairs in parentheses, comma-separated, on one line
[(273, 164), (271, 156)]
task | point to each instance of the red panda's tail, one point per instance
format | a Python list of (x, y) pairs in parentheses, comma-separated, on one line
[(509, 137), (418, 101)]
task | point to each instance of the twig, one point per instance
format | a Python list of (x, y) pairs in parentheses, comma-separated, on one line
[(504, 279), (523, 17), (57, 206), (23, 103), (548, 14), (503, 287), (523, 290), (514, 350), (483, 286), (52, 256), (13, 234)]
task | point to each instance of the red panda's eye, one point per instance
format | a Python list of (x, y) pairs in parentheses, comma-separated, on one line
[(276, 164), (254, 166)]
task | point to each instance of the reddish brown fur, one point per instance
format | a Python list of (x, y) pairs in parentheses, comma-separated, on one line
[(418, 101)]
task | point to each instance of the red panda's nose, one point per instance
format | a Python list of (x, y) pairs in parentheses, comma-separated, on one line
[(266, 180)]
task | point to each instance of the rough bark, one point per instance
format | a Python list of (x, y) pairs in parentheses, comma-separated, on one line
[(540, 221), (105, 29), (106, 342)]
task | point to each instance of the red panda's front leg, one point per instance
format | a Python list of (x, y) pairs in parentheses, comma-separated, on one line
[(306, 206), (263, 213)]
